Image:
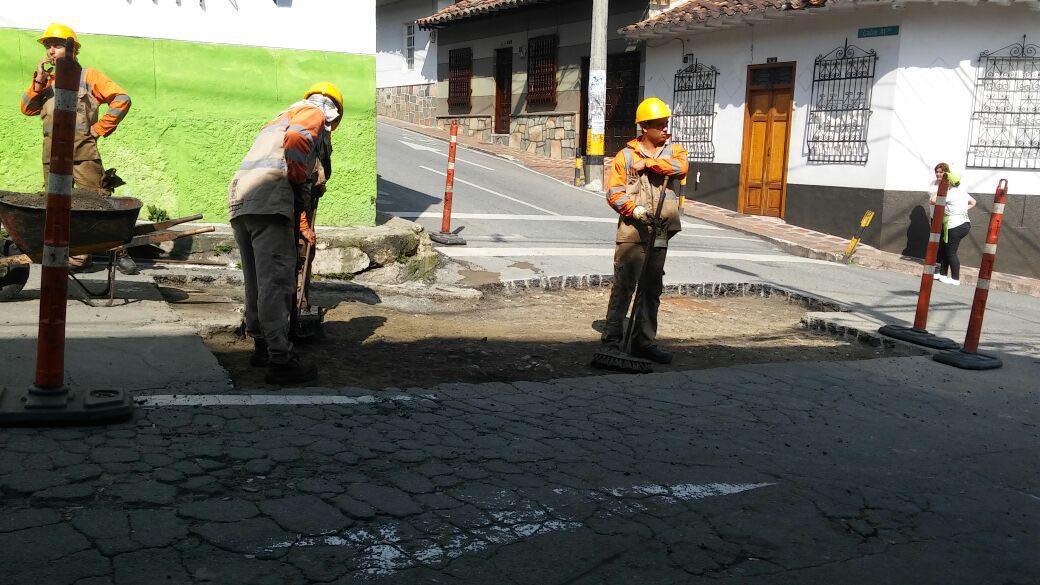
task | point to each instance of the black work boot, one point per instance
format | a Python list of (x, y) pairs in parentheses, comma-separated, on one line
[(259, 358), (126, 265), (654, 354), (294, 371)]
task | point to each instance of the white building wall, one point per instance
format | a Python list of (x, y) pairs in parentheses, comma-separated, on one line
[(935, 93), (391, 63), (732, 50), (343, 26)]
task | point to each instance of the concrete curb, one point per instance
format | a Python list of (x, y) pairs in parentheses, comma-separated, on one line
[(695, 289)]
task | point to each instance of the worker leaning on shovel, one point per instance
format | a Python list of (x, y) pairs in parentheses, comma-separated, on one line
[(635, 183), (268, 201), (94, 89)]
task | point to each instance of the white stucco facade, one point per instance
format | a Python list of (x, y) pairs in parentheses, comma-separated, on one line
[(392, 69), (343, 26), (923, 90)]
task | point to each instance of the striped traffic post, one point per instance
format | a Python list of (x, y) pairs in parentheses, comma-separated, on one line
[(918, 334), (969, 357), (445, 236), (48, 400)]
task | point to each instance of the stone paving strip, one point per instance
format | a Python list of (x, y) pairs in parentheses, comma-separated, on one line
[(158, 400)]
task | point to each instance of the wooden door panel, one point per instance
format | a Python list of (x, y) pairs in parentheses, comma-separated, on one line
[(771, 204), (757, 152), (503, 89), (776, 153), (754, 199)]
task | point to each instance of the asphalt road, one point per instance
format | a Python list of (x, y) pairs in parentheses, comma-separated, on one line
[(518, 223)]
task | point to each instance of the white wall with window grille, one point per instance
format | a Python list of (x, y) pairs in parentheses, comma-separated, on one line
[(405, 54)]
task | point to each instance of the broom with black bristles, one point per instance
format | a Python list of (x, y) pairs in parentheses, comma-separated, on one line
[(623, 360)]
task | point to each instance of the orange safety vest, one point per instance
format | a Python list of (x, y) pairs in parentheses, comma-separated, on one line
[(94, 89), (283, 154), (626, 189)]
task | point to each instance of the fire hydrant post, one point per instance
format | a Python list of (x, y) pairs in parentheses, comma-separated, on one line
[(918, 334), (48, 400), (969, 357), (446, 236)]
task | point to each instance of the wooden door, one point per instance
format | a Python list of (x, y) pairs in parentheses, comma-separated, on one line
[(503, 89), (767, 131)]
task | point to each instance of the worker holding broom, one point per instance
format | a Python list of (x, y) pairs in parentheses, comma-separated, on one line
[(95, 89), (268, 200), (642, 187)]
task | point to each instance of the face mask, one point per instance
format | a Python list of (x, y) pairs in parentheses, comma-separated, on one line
[(327, 107)]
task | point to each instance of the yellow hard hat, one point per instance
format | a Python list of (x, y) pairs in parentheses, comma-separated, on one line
[(652, 109), (329, 90), (59, 31)]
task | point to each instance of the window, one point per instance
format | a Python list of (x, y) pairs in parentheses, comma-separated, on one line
[(541, 70), (839, 110), (1005, 121), (693, 118), (409, 45), (460, 73)]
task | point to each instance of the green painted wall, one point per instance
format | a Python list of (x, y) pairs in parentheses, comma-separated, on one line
[(196, 109)]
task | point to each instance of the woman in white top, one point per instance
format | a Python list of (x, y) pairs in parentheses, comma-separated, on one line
[(956, 224)]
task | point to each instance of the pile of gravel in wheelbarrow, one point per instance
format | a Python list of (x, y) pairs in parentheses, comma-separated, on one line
[(82, 200)]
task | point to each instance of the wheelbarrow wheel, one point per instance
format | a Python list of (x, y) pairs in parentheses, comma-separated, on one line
[(14, 277)]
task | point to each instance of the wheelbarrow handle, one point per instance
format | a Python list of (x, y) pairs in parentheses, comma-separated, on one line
[(148, 228)]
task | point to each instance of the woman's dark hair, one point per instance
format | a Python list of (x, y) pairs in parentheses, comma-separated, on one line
[(942, 167)]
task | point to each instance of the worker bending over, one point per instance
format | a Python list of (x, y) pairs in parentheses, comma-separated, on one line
[(94, 89), (636, 181), (268, 201)]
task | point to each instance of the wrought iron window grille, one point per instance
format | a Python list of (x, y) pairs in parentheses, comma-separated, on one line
[(839, 109), (693, 109), (1005, 119), (541, 69), (460, 76)]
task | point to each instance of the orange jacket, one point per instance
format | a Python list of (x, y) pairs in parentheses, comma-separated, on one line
[(104, 90), (672, 161), (306, 123)]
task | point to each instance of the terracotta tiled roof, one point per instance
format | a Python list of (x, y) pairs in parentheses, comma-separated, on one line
[(471, 8), (694, 12)]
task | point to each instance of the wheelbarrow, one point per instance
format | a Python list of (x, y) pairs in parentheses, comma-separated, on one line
[(91, 231)]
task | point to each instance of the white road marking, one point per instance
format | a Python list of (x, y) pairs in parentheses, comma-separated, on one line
[(486, 190), (511, 217), (381, 550), (459, 252), (415, 146), (160, 400)]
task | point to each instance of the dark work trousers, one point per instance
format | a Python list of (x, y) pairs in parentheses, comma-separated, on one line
[(948, 260), (267, 244), (628, 258)]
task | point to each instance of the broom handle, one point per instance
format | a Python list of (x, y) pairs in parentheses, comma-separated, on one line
[(647, 251)]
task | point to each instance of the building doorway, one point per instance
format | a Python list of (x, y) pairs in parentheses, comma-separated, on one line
[(767, 137), (622, 99), (503, 89)]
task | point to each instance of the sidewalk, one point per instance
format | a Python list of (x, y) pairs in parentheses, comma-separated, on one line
[(809, 244), (561, 170)]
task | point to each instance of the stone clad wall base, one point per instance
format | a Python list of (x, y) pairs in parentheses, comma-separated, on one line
[(553, 136), (410, 103)]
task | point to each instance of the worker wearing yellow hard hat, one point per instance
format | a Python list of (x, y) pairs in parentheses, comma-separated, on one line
[(95, 89), (642, 186), (271, 201)]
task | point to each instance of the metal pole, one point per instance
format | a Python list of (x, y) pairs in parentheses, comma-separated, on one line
[(445, 236), (969, 357), (597, 95)]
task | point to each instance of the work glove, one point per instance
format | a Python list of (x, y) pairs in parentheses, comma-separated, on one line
[(641, 214)]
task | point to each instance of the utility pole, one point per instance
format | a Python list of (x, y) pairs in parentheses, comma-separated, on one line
[(597, 94)]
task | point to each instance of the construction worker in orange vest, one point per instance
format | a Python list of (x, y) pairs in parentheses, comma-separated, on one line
[(268, 201), (636, 181), (94, 89)]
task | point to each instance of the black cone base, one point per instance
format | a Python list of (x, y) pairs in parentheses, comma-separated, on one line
[(447, 238), (918, 337), (968, 361), (33, 407)]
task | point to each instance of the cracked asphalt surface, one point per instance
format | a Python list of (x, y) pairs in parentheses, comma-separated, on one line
[(897, 470)]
